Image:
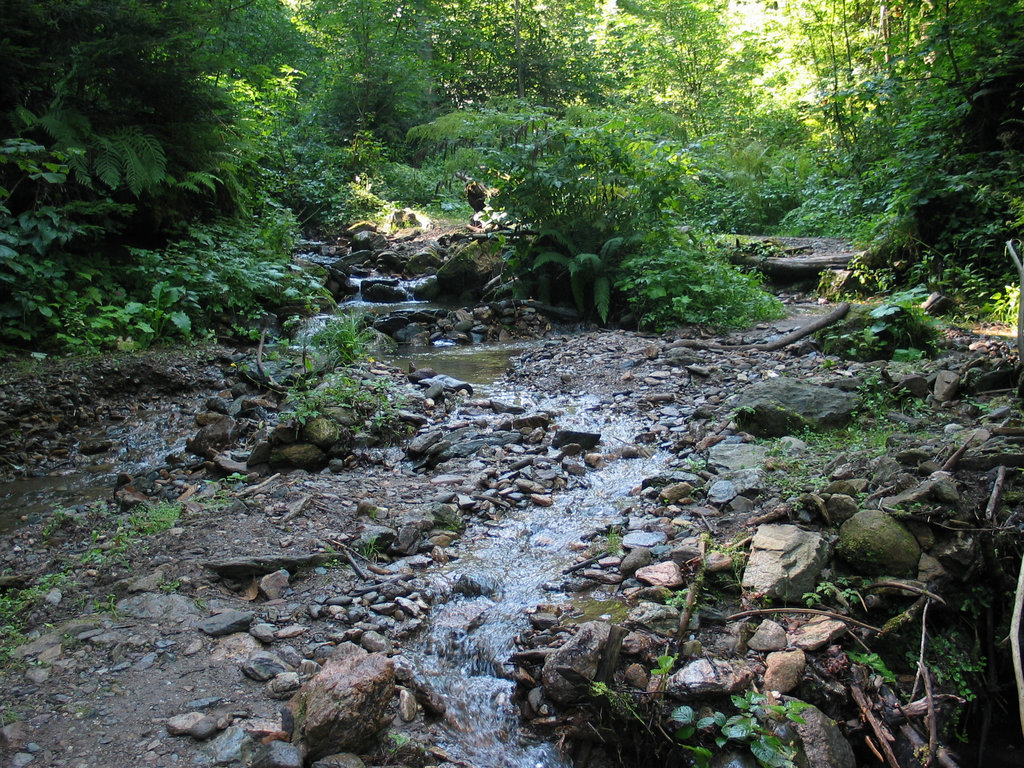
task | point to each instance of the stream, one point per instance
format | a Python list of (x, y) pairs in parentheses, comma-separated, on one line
[(516, 563)]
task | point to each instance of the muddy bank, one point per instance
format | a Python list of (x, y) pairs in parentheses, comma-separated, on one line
[(575, 506)]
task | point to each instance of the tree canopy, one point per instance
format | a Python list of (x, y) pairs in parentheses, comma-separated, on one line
[(181, 133)]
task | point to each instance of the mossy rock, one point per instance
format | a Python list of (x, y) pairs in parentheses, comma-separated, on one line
[(302, 455), (470, 269), (877, 545), (321, 432)]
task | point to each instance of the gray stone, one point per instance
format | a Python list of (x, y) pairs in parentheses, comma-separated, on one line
[(263, 665), (816, 633), (567, 667), (182, 725), (282, 686), (226, 622), (346, 705), (823, 742), (708, 677), (263, 632), (233, 745), (274, 585), (645, 539), (947, 386), (721, 492), (277, 754), (166, 606), (841, 508), (781, 406), (342, 760), (734, 456), (636, 558), (785, 562), (770, 636), (876, 545)]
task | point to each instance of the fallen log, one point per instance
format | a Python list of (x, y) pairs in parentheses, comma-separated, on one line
[(790, 269), (822, 322)]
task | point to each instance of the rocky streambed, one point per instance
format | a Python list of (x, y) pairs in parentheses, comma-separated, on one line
[(545, 571)]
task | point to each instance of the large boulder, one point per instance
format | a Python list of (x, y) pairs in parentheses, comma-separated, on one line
[(785, 562), (567, 668), (876, 545), (469, 269), (346, 705), (783, 406)]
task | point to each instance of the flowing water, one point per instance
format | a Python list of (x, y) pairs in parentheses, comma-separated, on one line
[(517, 561)]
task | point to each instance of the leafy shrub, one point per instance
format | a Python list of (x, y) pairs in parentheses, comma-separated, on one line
[(897, 328), (684, 281)]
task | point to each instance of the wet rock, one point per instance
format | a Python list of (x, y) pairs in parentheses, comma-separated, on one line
[(383, 291), (769, 636), (233, 745), (368, 241), (586, 440), (708, 677), (785, 562), (665, 574), (785, 668), (277, 754), (875, 545), (567, 669), (781, 406), (659, 618), (213, 437), (823, 742), (346, 705), (721, 492), (226, 622)]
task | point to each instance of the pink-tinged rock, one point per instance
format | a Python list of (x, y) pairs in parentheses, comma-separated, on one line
[(346, 705), (709, 677), (785, 668), (816, 633), (665, 574)]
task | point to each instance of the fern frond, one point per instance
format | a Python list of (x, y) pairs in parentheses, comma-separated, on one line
[(108, 164)]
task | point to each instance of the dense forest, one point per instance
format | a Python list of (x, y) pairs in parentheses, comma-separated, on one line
[(160, 158)]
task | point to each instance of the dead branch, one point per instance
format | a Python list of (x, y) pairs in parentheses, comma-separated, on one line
[(691, 597), (953, 460), (1018, 667), (813, 611), (883, 735), (997, 493), (822, 322)]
